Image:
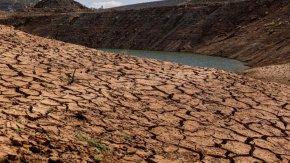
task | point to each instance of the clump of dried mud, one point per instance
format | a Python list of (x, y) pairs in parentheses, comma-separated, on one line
[(121, 108)]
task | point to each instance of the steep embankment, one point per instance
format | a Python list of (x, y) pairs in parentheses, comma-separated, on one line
[(121, 108), (253, 31)]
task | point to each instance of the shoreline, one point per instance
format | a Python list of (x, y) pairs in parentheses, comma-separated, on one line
[(278, 73), (185, 58)]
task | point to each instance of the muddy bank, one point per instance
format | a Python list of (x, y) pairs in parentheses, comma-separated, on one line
[(256, 32)]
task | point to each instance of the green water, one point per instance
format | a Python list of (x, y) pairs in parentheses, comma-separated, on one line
[(190, 59)]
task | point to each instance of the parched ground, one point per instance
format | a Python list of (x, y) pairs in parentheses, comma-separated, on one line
[(275, 73), (118, 108)]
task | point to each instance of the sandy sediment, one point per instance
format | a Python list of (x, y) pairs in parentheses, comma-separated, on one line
[(117, 108), (273, 73)]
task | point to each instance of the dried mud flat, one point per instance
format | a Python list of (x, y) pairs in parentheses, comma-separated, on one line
[(126, 109), (275, 73)]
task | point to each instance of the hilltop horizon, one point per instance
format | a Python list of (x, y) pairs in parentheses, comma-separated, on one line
[(111, 3), (89, 3)]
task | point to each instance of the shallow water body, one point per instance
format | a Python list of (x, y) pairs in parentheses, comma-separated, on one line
[(185, 58)]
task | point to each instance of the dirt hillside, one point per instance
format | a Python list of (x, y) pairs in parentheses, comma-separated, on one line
[(64, 102), (59, 4), (254, 31)]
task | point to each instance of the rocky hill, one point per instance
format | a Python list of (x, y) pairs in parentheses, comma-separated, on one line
[(67, 103), (60, 4)]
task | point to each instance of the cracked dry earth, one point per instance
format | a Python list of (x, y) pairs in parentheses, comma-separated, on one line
[(126, 109)]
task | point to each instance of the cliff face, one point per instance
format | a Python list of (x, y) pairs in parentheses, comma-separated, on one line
[(253, 31)]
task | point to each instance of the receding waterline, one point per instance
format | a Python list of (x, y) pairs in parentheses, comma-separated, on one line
[(189, 59)]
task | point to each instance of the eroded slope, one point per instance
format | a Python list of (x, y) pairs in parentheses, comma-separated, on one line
[(130, 109), (254, 31)]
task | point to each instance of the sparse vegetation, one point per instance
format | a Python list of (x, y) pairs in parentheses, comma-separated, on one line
[(97, 158), (71, 77), (99, 146), (18, 131)]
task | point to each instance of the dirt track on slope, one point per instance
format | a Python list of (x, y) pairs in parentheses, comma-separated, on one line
[(121, 108)]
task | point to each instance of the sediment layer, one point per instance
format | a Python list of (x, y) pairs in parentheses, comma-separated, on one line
[(64, 102)]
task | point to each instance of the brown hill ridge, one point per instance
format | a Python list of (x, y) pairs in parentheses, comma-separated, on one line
[(60, 4), (127, 109)]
